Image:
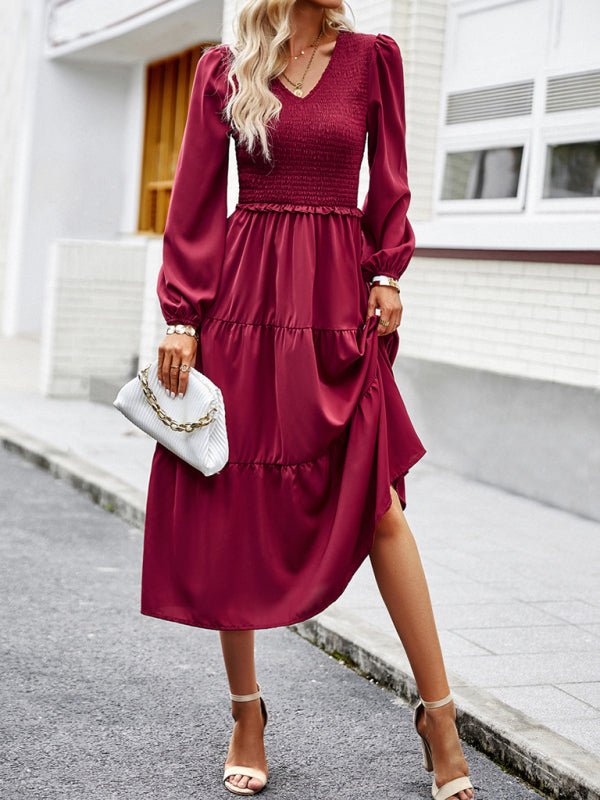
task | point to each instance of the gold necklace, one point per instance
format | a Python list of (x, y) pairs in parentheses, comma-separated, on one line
[(298, 84)]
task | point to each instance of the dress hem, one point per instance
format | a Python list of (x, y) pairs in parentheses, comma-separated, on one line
[(145, 611)]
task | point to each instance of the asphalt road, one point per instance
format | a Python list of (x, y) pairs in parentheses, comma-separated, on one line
[(99, 702)]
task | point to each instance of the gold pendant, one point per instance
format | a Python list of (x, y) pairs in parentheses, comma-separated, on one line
[(298, 91)]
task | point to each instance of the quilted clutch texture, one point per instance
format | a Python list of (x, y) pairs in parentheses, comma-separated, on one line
[(193, 426)]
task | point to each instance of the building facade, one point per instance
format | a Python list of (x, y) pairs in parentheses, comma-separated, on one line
[(499, 359)]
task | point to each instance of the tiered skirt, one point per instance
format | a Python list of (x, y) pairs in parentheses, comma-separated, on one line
[(317, 431)]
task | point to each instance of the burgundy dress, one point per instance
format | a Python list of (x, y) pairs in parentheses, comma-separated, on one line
[(317, 427)]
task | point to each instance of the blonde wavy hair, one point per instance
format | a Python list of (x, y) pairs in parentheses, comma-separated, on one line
[(259, 54)]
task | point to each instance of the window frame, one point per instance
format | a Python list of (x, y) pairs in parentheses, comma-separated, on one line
[(556, 133), (457, 143), (534, 131)]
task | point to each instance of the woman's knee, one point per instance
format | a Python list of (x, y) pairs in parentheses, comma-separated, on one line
[(393, 522)]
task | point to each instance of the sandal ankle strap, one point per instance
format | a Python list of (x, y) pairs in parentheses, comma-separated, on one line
[(244, 697), (437, 703)]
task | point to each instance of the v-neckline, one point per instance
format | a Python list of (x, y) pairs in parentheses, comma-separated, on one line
[(341, 31)]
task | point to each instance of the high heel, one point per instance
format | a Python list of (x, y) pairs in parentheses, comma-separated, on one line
[(449, 789), (237, 769)]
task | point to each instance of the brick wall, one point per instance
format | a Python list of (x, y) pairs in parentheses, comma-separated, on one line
[(92, 315), (536, 320)]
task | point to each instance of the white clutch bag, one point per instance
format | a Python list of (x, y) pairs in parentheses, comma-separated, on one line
[(193, 426)]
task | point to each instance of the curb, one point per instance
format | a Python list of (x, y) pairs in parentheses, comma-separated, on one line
[(111, 493), (549, 762)]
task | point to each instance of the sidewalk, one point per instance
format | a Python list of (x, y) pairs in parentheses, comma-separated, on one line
[(514, 585)]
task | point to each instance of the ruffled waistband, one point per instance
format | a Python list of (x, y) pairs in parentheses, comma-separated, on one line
[(353, 211)]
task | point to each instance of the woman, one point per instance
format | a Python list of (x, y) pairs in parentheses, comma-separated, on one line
[(296, 323)]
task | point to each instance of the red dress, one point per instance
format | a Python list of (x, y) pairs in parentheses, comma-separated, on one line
[(278, 289)]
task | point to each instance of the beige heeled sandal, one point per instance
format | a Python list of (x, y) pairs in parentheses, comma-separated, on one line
[(450, 788), (237, 769)]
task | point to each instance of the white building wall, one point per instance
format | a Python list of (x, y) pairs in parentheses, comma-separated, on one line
[(85, 157), (82, 121), (93, 316), (72, 20), (14, 32), (420, 26), (522, 318), (15, 53), (514, 318), (75, 177)]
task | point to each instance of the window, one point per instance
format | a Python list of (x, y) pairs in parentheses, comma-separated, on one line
[(520, 127), (481, 174), (573, 170), (168, 89)]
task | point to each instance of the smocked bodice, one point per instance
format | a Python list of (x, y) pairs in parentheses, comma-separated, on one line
[(318, 141)]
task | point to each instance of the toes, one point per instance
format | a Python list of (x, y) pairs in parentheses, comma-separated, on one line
[(245, 782)]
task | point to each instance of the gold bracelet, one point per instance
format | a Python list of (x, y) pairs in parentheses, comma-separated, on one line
[(385, 280)]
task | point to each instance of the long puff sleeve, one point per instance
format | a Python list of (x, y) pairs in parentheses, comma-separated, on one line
[(194, 236), (388, 240)]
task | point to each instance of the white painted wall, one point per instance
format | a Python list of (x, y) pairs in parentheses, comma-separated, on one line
[(74, 178), (15, 30)]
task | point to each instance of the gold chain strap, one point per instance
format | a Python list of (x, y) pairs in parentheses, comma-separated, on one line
[(164, 417)]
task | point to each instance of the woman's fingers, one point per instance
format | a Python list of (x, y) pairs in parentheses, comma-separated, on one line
[(180, 376), (176, 355), (390, 308), (164, 370), (174, 375)]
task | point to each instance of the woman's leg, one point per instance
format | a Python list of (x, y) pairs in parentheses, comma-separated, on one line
[(247, 745), (401, 580)]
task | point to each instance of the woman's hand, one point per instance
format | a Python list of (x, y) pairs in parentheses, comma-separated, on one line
[(387, 298), (174, 350)]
